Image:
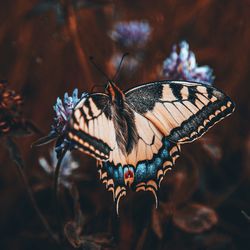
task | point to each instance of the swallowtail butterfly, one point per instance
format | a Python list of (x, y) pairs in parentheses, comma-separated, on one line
[(136, 135)]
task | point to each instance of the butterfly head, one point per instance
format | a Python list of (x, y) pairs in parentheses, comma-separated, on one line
[(114, 92), (110, 88), (117, 96)]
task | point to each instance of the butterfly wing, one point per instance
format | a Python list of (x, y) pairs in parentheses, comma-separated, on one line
[(91, 127), (165, 114), (150, 158), (92, 131), (148, 174), (182, 111), (113, 177)]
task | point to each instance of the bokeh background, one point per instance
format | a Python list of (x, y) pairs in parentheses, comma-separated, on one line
[(45, 53)]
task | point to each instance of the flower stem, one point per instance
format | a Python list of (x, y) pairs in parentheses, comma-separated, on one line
[(246, 215), (56, 191), (14, 152)]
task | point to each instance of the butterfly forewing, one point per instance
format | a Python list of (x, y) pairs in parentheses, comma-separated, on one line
[(182, 111), (91, 127)]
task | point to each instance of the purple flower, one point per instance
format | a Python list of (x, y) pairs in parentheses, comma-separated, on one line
[(63, 110), (181, 65), (68, 165), (131, 34)]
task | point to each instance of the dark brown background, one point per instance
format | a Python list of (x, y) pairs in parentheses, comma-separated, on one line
[(40, 59)]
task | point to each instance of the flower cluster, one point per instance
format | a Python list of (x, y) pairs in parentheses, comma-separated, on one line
[(10, 110), (63, 110), (182, 65), (68, 165), (131, 34)]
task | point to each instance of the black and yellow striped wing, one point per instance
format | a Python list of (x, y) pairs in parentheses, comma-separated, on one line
[(182, 111), (92, 131), (162, 115), (143, 168), (91, 127)]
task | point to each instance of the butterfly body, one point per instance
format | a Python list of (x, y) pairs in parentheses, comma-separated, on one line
[(124, 123), (136, 136)]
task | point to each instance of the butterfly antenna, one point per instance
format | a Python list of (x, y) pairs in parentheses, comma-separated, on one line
[(91, 58), (119, 66)]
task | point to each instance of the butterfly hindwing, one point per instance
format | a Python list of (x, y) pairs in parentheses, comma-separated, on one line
[(113, 177), (149, 173), (145, 166), (154, 155), (182, 111), (146, 175)]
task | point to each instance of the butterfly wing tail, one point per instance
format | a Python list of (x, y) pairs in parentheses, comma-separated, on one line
[(112, 177), (150, 173)]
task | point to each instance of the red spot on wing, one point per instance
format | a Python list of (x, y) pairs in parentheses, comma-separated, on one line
[(128, 174)]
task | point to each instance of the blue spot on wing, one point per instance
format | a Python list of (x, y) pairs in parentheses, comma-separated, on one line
[(164, 153), (140, 172), (151, 170), (144, 171), (114, 172)]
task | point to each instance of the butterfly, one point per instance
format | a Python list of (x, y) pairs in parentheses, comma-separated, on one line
[(136, 135)]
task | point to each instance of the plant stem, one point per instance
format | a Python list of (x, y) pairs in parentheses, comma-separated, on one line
[(33, 201), (72, 26), (246, 215), (14, 152), (56, 191)]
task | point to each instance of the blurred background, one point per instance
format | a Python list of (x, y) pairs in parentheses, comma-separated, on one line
[(44, 49)]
